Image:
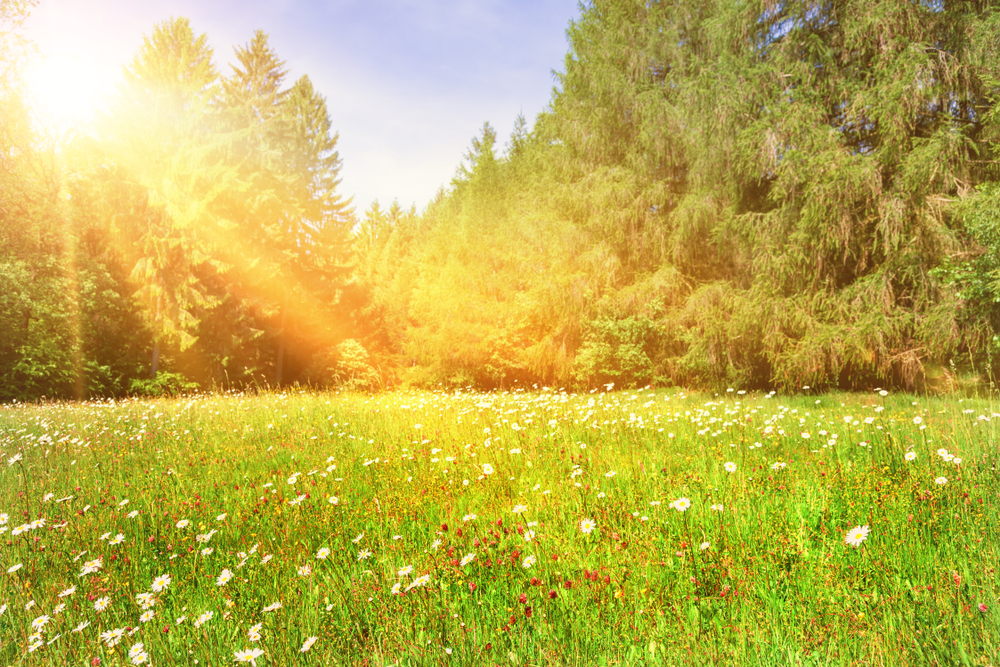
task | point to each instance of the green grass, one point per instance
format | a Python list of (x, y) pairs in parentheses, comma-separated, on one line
[(775, 584)]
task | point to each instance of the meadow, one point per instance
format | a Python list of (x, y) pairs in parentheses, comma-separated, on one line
[(521, 528)]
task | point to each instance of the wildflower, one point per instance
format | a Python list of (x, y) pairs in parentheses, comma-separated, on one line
[(957, 461), (112, 637), (404, 571), (224, 577), (145, 600), (941, 481), (254, 632), (203, 619), (982, 607), (587, 526), (118, 539), (420, 581), (681, 504), (221, 517), (69, 591), (365, 554), (297, 501), (305, 571), (468, 558), (730, 466), (333, 500), (469, 517), (308, 644), (207, 551), (161, 582), (91, 566), (779, 465), (147, 616), (137, 654), (322, 553), (274, 606), (528, 562), (100, 604), (40, 622), (857, 535), (705, 545), (487, 469), (249, 655), (133, 514), (942, 452), (396, 587), (183, 523), (14, 568), (909, 456), (717, 508), (917, 420), (81, 627), (358, 538)]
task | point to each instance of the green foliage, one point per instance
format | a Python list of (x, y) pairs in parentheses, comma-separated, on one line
[(617, 353), (164, 384)]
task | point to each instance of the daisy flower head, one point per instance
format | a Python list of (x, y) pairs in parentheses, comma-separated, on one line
[(705, 545), (681, 504), (147, 616), (100, 604), (69, 591), (322, 553), (365, 554), (91, 566), (941, 481), (118, 539), (333, 500), (274, 606), (487, 469), (253, 634), (730, 466), (40, 622), (112, 637), (203, 619), (305, 571), (160, 583), (250, 655), (857, 535), (308, 644), (224, 577), (910, 456), (14, 568), (917, 420), (183, 523), (587, 526), (528, 562), (404, 571), (469, 517)]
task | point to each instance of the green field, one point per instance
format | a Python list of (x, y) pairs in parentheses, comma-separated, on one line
[(524, 528)]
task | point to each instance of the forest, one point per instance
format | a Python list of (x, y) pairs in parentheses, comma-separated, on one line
[(763, 194)]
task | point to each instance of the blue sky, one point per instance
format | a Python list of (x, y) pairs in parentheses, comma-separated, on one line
[(408, 83)]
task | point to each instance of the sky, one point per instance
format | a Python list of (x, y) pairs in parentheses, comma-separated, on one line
[(408, 83)]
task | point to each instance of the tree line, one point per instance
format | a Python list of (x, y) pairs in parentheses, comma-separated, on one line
[(763, 194)]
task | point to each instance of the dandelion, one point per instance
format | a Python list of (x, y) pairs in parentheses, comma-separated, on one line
[(528, 562), (100, 604), (322, 553), (308, 644), (857, 535), (587, 526), (730, 466), (224, 577), (468, 558), (910, 456), (941, 481), (183, 523), (161, 582), (249, 655)]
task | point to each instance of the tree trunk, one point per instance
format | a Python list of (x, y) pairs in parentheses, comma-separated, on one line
[(280, 361)]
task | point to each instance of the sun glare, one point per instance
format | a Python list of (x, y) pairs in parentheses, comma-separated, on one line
[(62, 90)]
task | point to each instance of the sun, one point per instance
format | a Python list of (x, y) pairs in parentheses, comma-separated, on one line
[(62, 90)]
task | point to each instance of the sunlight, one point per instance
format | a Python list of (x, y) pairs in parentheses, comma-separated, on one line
[(62, 88)]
